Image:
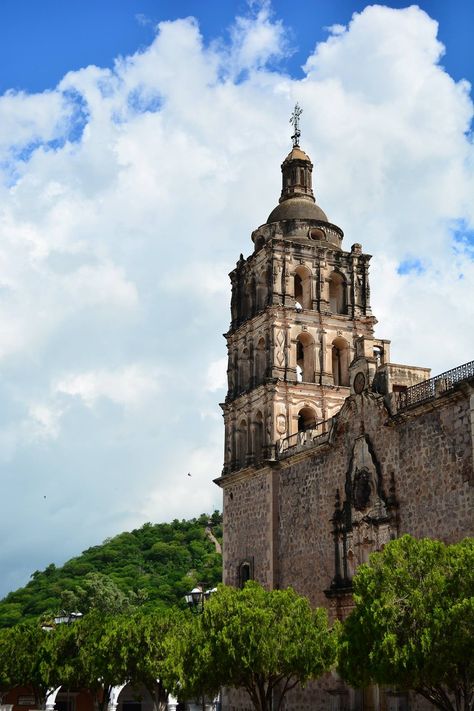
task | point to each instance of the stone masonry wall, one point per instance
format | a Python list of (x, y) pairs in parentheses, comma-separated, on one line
[(248, 524), (280, 516)]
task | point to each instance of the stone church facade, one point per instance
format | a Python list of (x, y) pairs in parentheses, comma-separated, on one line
[(331, 450)]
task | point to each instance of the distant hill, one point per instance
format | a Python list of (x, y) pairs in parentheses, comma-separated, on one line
[(152, 565)]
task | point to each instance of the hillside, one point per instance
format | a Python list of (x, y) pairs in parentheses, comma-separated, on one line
[(152, 565)]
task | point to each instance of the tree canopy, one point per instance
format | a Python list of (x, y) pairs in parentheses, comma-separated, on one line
[(263, 641), (413, 622), (137, 647), (154, 565), (24, 659)]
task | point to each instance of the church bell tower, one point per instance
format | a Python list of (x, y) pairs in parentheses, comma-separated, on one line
[(300, 306)]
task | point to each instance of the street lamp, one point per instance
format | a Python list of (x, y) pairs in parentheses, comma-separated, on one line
[(198, 596), (196, 600)]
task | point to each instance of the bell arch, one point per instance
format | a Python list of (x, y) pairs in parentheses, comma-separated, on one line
[(305, 358), (302, 287), (243, 379), (337, 293), (258, 435), (260, 291), (242, 443), (260, 361), (340, 361)]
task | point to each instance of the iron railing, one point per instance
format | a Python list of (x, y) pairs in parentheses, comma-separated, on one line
[(428, 389), (308, 436)]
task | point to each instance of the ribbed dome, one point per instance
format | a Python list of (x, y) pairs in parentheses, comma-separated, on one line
[(297, 208)]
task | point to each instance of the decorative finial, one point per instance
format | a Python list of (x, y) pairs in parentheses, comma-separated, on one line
[(295, 120)]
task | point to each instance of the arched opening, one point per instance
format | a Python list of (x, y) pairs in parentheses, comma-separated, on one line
[(340, 362), (298, 292), (258, 437), (245, 572), (261, 293), (243, 370), (260, 361), (247, 301), (306, 419), (305, 358), (378, 355), (302, 288), (242, 443), (337, 293)]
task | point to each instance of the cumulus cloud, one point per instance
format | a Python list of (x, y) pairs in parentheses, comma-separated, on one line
[(126, 196)]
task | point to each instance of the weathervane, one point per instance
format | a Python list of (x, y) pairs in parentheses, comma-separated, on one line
[(295, 120)]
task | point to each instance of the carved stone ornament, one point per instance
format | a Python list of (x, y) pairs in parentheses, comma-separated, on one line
[(281, 424), (361, 489), (359, 383)]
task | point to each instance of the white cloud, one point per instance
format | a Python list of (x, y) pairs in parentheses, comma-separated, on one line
[(128, 195), (216, 376), (43, 421), (130, 386)]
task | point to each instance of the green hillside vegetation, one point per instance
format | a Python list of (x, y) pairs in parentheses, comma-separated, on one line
[(153, 566)]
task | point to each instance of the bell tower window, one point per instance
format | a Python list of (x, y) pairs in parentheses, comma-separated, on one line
[(258, 436), (302, 288), (260, 364), (242, 444), (340, 362), (244, 371), (261, 292), (305, 360), (337, 288)]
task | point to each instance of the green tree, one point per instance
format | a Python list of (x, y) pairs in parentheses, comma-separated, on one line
[(413, 622), (5, 683), (266, 642), (99, 592), (24, 659), (79, 658), (136, 647)]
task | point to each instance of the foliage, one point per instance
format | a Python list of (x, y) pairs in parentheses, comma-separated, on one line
[(136, 647), (413, 624), (154, 565), (263, 641), (24, 659), (100, 592), (79, 658)]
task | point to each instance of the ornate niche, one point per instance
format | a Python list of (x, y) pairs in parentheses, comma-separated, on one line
[(365, 520)]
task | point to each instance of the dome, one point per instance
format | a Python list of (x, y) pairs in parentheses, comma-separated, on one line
[(297, 154), (297, 208)]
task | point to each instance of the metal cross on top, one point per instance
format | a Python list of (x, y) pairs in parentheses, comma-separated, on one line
[(295, 120)]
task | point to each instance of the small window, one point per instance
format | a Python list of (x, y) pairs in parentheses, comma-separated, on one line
[(245, 572)]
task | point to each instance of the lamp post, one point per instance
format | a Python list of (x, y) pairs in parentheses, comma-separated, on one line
[(198, 596), (196, 600)]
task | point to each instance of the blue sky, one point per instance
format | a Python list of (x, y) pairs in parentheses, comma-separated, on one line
[(139, 148), (64, 36)]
